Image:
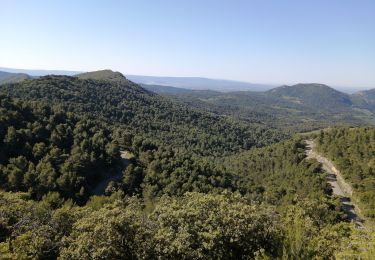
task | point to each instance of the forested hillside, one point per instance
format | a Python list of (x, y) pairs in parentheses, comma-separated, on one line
[(157, 118), (318, 96), (227, 130), (45, 149), (53, 155), (364, 99), (353, 151), (191, 184), (297, 108), (282, 210), (278, 173), (194, 226)]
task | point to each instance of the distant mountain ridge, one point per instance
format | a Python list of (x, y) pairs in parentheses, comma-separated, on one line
[(6, 77), (306, 103), (192, 83), (109, 96), (313, 95), (365, 99), (199, 83), (173, 90), (301, 107), (195, 83), (34, 72)]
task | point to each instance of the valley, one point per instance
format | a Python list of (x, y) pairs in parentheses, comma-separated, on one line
[(96, 151), (297, 108), (187, 130)]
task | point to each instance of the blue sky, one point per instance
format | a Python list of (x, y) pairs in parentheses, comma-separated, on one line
[(279, 42)]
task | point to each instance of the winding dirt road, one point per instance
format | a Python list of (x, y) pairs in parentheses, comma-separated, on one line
[(339, 187)]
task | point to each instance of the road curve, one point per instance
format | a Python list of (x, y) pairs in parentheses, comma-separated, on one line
[(339, 187)]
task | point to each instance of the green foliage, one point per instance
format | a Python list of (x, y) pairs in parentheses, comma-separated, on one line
[(31, 230), (365, 99), (311, 231), (111, 232), (360, 245), (317, 96), (175, 173), (194, 226), (353, 151), (197, 193), (200, 226), (119, 101), (277, 174), (298, 108), (45, 149)]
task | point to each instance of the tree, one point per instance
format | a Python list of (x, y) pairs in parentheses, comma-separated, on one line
[(112, 232), (199, 226)]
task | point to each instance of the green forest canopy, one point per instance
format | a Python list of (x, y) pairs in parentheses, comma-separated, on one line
[(353, 151), (197, 185)]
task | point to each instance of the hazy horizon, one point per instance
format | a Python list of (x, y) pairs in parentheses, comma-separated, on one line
[(250, 41), (42, 72)]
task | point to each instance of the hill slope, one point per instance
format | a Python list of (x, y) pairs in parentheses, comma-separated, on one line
[(159, 118), (317, 96), (43, 149), (6, 77), (353, 152), (199, 83), (102, 75), (364, 99), (301, 107)]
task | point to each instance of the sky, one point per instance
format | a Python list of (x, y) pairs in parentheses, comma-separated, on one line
[(271, 42)]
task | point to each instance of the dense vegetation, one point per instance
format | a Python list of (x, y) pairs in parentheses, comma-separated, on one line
[(298, 108), (189, 184), (259, 220), (313, 95), (353, 151), (44, 149), (365, 99), (278, 174), (195, 226), (120, 101)]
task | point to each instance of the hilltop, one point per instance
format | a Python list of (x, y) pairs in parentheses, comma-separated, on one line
[(317, 96), (301, 107), (102, 75)]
